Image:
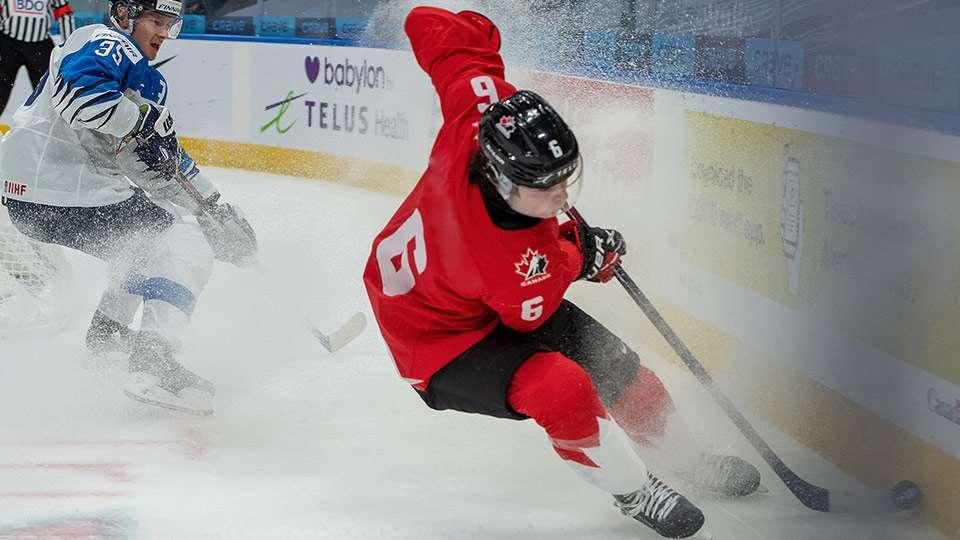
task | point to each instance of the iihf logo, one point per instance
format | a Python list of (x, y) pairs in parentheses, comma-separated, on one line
[(507, 125), (533, 267)]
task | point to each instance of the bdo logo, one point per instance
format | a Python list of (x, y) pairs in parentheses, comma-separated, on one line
[(30, 6)]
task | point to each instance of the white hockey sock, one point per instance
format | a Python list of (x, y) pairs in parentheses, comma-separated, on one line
[(119, 305), (165, 320), (619, 469)]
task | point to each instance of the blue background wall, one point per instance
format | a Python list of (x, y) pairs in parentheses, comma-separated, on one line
[(890, 60)]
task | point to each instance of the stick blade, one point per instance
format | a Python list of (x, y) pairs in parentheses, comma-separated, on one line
[(869, 502), (340, 337)]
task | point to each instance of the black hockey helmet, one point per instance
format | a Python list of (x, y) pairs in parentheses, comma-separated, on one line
[(526, 142), (172, 8)]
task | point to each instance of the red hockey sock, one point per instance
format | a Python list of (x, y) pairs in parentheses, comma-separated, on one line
[(560, 396), (644, 408)]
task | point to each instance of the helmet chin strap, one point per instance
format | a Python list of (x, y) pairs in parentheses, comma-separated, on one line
[(504, 186)]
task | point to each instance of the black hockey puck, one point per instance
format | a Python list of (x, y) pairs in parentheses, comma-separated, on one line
[(906, 495)]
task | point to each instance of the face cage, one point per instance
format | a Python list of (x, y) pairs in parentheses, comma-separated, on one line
[(134, 11), (508, 189)]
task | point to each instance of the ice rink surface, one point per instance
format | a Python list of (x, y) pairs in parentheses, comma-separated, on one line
[(308, 444)]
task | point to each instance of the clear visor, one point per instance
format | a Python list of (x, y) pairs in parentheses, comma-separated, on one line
[(170, 24), (173, 24), (173, 29), (542, 202)]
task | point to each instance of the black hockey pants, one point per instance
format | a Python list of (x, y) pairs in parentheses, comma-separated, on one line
[(14, 54)]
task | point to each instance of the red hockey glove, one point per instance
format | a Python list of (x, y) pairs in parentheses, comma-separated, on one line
[(485, 25), (601, 249)]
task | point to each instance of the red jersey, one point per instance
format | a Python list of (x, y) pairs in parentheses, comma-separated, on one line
[(441, 275)]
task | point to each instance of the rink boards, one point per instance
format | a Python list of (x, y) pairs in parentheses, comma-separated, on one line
[(348, 113), (809, 261), (811, 264)]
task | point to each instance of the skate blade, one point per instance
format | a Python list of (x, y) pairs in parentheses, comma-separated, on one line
[(198, 411)]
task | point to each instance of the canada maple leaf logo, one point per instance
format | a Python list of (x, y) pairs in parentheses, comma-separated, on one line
[(532, 264), (507, 125)]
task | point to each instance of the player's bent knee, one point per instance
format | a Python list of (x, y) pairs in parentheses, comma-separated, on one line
[(201, 254), (644, 407), (550, 385), (184, 254)]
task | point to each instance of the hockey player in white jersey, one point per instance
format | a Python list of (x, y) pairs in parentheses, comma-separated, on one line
[(92, 162)]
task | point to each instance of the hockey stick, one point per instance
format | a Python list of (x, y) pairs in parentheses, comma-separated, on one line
[(332, 341), (903, 496)]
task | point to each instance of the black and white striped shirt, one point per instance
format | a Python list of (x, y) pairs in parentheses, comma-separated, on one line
[(29, 20)]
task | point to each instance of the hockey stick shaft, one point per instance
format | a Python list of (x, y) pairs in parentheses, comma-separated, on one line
[(811, 496)]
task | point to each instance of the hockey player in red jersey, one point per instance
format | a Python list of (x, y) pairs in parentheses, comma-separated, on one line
[(467, 282)]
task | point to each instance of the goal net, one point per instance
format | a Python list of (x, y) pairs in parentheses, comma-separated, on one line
[(33, 283)]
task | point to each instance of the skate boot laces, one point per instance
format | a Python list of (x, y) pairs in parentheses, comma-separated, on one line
[(654, 502)]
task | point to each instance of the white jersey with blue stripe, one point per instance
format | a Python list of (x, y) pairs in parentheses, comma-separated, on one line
[(61, 148)]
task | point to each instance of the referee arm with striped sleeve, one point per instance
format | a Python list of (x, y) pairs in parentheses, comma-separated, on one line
[(25, 39)]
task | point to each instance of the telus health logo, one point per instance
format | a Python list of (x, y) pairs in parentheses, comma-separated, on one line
[(281, 109), (357, 77)]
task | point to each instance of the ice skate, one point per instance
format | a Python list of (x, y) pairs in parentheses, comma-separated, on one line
[(108, 336), (156, 378), (723, 475), (662, 509)]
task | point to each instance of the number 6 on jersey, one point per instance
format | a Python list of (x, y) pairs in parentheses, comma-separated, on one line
[(394, 253), (531, 309)]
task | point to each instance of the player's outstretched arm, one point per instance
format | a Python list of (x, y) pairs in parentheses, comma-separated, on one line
[(153, 159), (460, 53), (435, 32)]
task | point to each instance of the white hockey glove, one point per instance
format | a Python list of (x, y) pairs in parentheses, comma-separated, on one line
[(229, 233), (151, 149)]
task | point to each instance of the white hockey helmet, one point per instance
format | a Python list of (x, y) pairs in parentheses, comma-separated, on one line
[(171, 8)]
